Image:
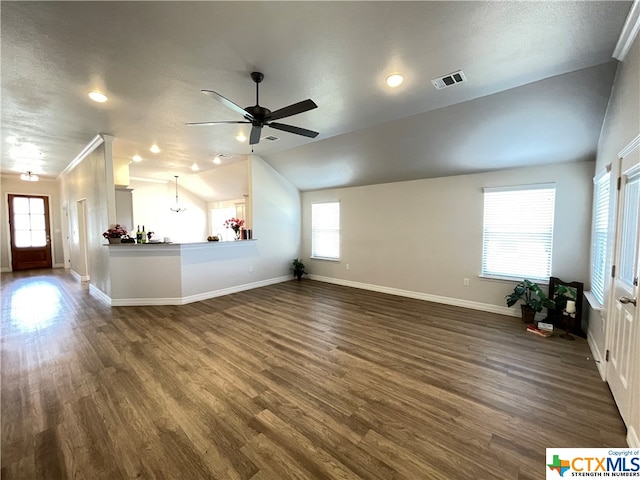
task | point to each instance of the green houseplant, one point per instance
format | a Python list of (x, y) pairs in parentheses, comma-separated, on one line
[(533, 298), (298, 268), (563, 293)]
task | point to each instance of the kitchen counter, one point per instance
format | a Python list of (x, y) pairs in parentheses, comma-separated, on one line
[(178, 273)]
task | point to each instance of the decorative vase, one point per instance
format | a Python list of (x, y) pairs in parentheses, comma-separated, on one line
[(237, 232), (114, 240)]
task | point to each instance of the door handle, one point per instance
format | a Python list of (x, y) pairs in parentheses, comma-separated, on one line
[(626, 300)]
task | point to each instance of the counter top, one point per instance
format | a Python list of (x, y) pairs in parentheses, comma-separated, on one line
[(138, 245)]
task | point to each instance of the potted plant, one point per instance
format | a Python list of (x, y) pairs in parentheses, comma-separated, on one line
[(298, 268), (562, 294), (115, 233), (533, 298)]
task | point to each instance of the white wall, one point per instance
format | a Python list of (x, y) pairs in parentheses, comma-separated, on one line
[(425, 236), (47, 187), (274, 218), (151, 203), (91, 180), (621, 125)]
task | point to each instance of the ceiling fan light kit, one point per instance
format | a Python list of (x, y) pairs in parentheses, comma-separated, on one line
[(260, 117)]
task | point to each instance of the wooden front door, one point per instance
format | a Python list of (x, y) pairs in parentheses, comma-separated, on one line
[(30, 232)]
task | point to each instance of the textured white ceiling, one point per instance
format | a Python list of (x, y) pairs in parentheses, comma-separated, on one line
[(153, 58)]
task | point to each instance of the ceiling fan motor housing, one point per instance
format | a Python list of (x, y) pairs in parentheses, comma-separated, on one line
[(259, 114), (257, 76)]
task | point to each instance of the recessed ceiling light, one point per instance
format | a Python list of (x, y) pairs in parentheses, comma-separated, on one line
[(241, 138), (195, 167), (217, 160), (154, 148), (394, 80), (97, 96), (137, 158)]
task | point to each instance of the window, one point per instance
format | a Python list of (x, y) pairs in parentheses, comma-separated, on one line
[(218, 217), (29, 222), (599, 235), (518, 231), (325, 230)]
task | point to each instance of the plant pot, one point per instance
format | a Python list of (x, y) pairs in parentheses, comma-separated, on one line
[(115, 240), (528, 314), (298, 274)]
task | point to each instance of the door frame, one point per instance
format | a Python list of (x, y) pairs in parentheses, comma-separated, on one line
[(81, 206), (9, 267), (633, 430)]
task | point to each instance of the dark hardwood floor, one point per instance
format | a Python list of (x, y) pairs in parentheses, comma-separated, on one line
[(300, 380)]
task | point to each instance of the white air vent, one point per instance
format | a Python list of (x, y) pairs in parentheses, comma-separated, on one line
[(449, 80), (271, 138)]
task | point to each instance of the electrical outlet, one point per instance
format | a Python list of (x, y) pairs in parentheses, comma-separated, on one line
[(346, 266), (465, 282), (250, 268)]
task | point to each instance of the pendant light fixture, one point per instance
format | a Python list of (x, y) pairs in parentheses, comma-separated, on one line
[(177, 207)]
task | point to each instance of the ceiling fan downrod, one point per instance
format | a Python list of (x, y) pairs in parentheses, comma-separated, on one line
[(257, 77)]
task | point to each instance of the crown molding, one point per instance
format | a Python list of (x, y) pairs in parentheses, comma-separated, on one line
[(629, 32), (91, 146), (635, 143)]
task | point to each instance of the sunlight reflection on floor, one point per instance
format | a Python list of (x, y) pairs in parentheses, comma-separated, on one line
[(35, 306)]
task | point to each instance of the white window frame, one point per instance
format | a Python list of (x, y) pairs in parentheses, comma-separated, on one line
[(324, 244), (517, 219)]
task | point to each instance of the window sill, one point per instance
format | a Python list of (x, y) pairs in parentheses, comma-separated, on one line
[(328, 259), (500, 278), (593, 301)]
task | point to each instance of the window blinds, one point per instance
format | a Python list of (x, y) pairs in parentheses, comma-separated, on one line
[(518, 231), (599, 235), (325, 230)]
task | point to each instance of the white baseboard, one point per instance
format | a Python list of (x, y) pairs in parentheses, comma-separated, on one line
[(485, 307), (80, 278), (9, 269), (131, 302), (100, 294), (632, 438), (597, 355)]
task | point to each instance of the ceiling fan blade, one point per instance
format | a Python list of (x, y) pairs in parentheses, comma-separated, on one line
[(294, 109), (292, 129), (255, 135), (228, 103), (191, 124)]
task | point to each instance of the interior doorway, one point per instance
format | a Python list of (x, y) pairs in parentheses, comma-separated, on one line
[(30, 232)]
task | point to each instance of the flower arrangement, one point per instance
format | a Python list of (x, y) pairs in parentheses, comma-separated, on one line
[(234, 224), (115, 231)]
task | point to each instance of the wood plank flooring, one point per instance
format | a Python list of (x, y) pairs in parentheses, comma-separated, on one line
[(300, 380)]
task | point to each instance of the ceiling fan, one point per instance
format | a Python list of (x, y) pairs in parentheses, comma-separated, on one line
[(259, 116)]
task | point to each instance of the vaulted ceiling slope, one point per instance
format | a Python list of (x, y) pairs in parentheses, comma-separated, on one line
[(538, 74)]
